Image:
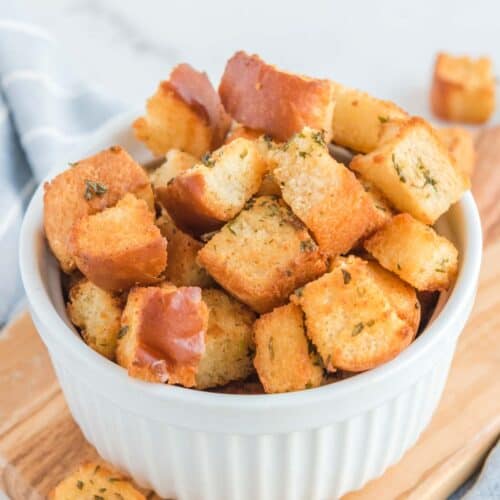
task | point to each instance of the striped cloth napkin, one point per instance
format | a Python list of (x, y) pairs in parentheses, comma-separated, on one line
[(44, 115)]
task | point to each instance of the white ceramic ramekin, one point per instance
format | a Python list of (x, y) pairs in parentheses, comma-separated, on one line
[(186, 444)]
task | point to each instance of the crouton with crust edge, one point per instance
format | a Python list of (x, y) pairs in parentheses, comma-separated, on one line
[(413, 169), (202, 198), (163, 334), (323, 193), (97, 314), (120, 246), (460, 145), (262, 97), (463, 89), (89, 186), (349, 318), (176, 162), (262, 255), (185, 113), (229, 344), (415, 252), (358, 118), (90, 480), (284, 360)]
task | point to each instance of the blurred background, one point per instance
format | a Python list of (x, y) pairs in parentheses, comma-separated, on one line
[(386, 47)]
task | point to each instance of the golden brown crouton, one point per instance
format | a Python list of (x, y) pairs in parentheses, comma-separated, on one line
[(284, 359), (163, 334), (263, 255), (401, 295), (350, 319), (414, 171), (460, 145), (176, 162), (263, 97), (202, 198), (463, 89), (242, 131), (358, 118), (120, 246), (322, 193), (229, 344), (185, 113), (182, 269), (97, 314), (95, 481), (415, 252), (89, 186)]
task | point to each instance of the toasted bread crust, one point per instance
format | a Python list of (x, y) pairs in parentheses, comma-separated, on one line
[(200, 206), (263, 255), (283, 359), (120, 246), (350, 320), (463, 90), (92, 480), (263, 97), (165, 334), (65, 201)]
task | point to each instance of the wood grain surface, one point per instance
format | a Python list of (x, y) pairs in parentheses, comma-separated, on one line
[(40, 443)]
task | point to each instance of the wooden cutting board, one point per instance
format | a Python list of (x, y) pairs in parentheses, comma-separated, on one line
[(40, 443)]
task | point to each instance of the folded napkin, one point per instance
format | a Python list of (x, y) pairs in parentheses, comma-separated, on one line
[(45, 113)]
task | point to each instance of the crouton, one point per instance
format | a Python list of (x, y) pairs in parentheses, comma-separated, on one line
[(229, 345), (94, 480), (163, 334), (358, 118), (242, 131), (182, 269), (414, 171), (415, 252), (262, 255), (89, 186), (460, 145), (463, 89), (400, 295), (322, 193), (263, 97), (185, 113), (349, 318), (176, 162), (97, 314), (201, 199), (285, 360), (120, 246)]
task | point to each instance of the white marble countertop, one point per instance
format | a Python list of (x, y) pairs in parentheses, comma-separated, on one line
[(385, 47)]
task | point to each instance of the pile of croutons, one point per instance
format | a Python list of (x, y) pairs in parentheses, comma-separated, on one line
[(251, 249)]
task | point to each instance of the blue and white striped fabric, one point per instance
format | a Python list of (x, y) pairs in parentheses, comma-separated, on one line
[(44, 112)]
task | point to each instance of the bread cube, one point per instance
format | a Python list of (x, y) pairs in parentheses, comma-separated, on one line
[(229, 344), (415, 252), (322, 193), (94, 480), (414, 171), (182, 268), (120, 246), (89, 186), (163, 334), (358, 118), (185, 113), (97, 314), (262, 97), (262, 255), (205, 196), (241, 131), (401, 295), (463, 89), (350, 319), (176, 162), (460, 145), (284, 359)]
